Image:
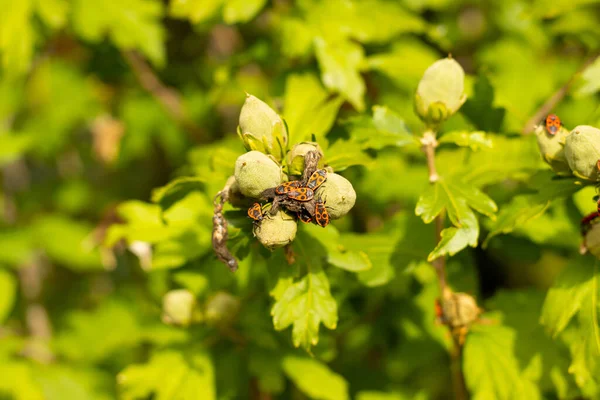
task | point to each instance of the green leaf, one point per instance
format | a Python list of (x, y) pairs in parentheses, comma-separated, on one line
[(585, 345), (53, 12), (170, 374), (309, 110), (490, 367), (479, 108), (17, 36), (69, 242), (518, 212), (134, 24), (566, 296), (176, 190), (61, 382), (195, 10), (90, 336), (589, 80), (339, 255), (379, 249), (379, 21), (346, 153), (306, 302), (519, 155), (543, 361), (456, 197), (385, 128), (372, 395), (147, 123), (340, 64), (405, 63), (8, 291), (524, 208), (235, 11), (553, 8), (455, 239), (474, 140), (266, 366), (315, 379), (17, 246), (18, 381), (195, 282)]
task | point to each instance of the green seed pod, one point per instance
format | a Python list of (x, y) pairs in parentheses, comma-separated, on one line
[(262, 129), (178, 307), (276, 231), (338, 194), (255, 172), (295, 158), (221, 309), (440, 92), (552, 149), (582, 150)]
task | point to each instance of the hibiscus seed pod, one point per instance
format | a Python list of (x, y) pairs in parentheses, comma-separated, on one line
[(262, 129), (277, 230), (338, 194), (582, 150), (552, 149), (255, 172), (440, 92)]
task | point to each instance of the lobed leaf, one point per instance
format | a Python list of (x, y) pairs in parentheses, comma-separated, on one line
[(307, 302), (170, 374)]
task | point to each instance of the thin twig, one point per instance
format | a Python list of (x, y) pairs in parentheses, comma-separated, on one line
[(429, 143), (545, 109), (166, 96)]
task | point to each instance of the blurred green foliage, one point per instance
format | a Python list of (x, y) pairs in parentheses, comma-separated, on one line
[(118, 127)]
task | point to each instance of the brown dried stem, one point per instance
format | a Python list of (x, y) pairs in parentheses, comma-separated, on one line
[(556, 97)]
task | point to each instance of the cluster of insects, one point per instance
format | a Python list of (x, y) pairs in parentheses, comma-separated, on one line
[(298, 197)]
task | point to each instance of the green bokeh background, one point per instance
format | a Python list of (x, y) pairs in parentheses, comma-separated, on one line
[(103, 102)]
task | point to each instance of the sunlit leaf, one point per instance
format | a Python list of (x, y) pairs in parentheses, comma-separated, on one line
[(340, 64), (134, 24), (315, 379), (309, 110), (169, 374), (490, 367), (385, 128), (307, 302), (474, 140)]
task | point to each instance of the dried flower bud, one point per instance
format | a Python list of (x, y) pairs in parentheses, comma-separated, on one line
[(178, 307), (338, 194), (255, 172), (460, 309), (440, 92), (262, 129), (277, 230), (295, 158), (582, 150), (552, 149)]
